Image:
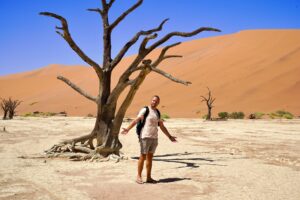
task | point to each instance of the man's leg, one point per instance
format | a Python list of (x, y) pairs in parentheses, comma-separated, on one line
[(140, 168), (149, 158), (149, 166)]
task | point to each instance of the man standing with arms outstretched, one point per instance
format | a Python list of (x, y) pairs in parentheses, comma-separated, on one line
[(148, 137)]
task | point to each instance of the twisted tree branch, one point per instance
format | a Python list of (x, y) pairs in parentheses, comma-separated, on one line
[(77, 89), (121, 17), (110, 3), (143, 51), (67, 36), (162, 56), (129, 97), (204, 98), (145, 41), (125, 48), (96, 10), (181, 34), (169, 76), (209, 101)]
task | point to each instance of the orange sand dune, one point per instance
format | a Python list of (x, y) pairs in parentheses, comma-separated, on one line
[(250, 71)]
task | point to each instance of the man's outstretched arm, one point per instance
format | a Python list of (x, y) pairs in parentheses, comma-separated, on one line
[(132, 124), (166, 132)]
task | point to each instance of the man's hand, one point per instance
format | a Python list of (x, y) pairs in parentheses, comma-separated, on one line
[(172, 138), (125, 131)]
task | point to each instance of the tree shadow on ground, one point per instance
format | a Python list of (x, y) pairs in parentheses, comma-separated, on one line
[(190, 162)]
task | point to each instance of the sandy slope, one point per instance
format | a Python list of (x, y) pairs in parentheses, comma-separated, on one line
[(240, 159), (249, 71)]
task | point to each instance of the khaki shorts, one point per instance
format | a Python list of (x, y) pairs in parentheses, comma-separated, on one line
[(148, 145)]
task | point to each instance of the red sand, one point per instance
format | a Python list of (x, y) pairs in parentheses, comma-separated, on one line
[(250, 71)]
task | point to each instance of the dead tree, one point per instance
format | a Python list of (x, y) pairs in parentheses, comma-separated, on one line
[(109, 118), (4, 107), (9, 107), (209, 101), (12, 105)]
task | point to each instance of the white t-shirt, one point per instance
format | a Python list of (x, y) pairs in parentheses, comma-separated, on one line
[(150, 129)]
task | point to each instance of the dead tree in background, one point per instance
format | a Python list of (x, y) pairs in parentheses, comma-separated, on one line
[(4, 107), (9, 107), (209, 101), (109, 118), (13, 104)]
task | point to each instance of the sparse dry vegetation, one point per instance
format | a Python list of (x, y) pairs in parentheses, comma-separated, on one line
[(44, 114), (281, 114), (9, 107), (236, 115), (223, 115), (259, 115), (165, 116), (90, 115)]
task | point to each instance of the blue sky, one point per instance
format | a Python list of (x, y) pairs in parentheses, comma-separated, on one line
[(28, 40)]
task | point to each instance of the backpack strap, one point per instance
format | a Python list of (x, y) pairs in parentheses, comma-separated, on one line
[(141, 123), (146, 114), (158, 113)]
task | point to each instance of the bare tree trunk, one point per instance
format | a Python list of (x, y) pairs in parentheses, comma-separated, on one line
[(5, 114), (209, 113), (107, 137), (11, 115), (5, 107)]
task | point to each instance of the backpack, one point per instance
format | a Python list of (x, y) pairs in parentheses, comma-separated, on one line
[(141, 123)]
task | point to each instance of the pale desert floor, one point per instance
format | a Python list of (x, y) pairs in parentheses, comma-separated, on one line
[(236, 159)]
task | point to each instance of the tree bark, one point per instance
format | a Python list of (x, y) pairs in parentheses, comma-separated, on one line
[(107, 139), (209, 113), (5, 114)]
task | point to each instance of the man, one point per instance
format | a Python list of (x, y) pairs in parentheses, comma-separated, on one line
[(148, 137)]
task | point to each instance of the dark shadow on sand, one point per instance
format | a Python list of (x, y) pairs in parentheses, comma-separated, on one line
[(170, 180), (188, 162)]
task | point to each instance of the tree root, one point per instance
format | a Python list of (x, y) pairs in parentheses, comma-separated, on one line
[(82, 149), (83, 153)]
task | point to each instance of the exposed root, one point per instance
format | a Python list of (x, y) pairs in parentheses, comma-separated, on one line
[(82, 152), (82, 149), (32, 157)]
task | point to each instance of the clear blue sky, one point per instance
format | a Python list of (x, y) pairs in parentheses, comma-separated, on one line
[(28, 40)]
